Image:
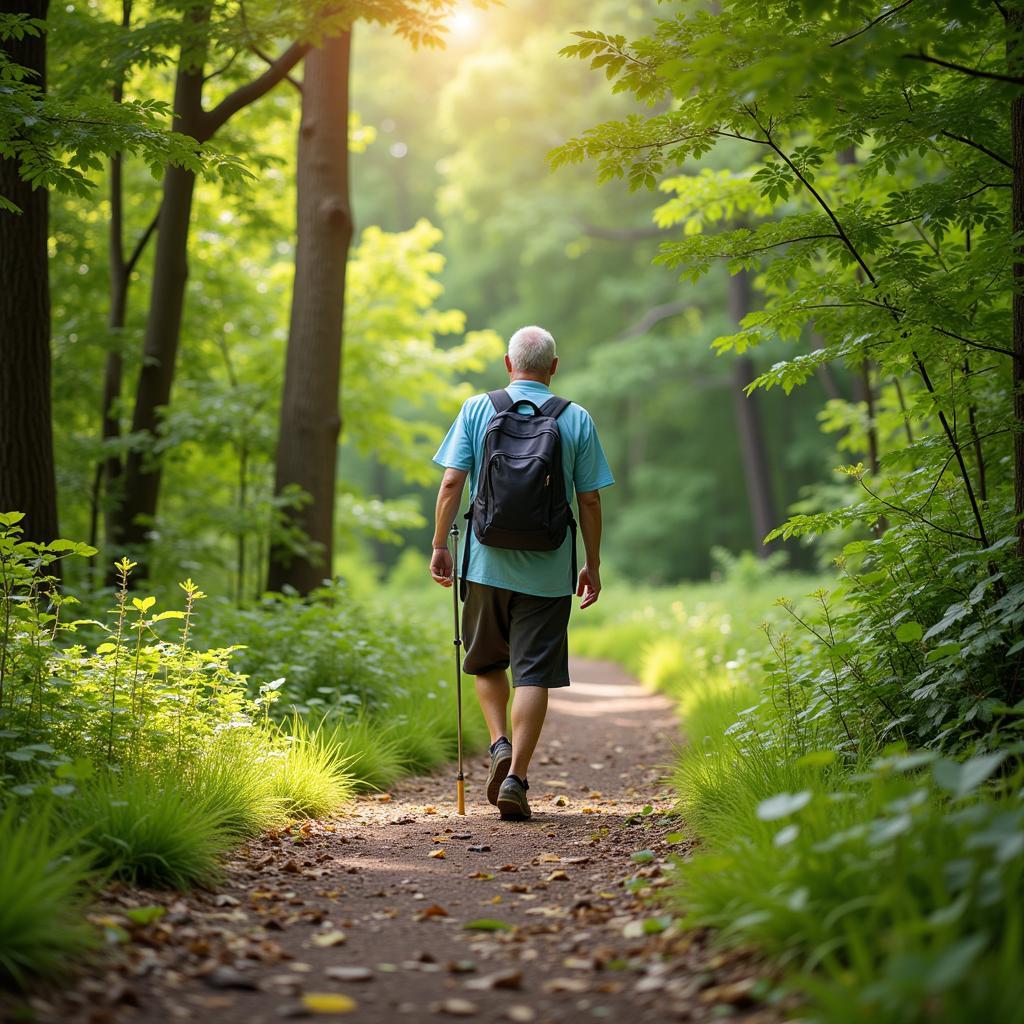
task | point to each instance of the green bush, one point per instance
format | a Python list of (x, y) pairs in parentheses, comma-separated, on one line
[(150, 830), (43, 891)]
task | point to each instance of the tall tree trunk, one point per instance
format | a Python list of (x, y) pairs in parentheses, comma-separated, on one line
[(167, 300), (1015, 61), (310, 413), (170, 268), (748, 424), (27, 480)]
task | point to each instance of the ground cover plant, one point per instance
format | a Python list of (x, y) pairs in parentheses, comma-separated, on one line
[(131, 751)]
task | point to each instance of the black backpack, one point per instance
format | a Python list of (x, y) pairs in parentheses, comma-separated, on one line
[(520, 499)]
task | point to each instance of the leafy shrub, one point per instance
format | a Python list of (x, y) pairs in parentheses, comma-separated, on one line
[(149, 830), (43, 887)]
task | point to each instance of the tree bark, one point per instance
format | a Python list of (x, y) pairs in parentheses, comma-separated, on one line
[(748, 424), (1015, 61), (310, 422), (170, 270), (27, 479), (167, 300)]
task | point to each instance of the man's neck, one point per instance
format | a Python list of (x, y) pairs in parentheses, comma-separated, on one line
[(522, 378)]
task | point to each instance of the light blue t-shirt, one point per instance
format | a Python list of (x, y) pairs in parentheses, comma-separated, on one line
[(542, 573)]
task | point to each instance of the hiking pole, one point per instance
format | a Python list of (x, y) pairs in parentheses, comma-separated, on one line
[(460, 785)]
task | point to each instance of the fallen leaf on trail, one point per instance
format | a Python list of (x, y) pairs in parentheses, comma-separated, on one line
[(508, 979), (515, 887), (561, 801), (228, 977), (736, 992), (509, 867), (328, 1002), (520, 1014), (606, 895), (558, 876), (461, 966), (575, 963), (482, 875), (495, 899), (146, 915), (439, 839), (478, 849), (591, 810), (455, 1007), (549, 858), (430, 810), (383, 798), (487, 924), (566, 985), (340, 973), (642, 857), (436, 854), (434, 910), (331, 938), (575, 860)]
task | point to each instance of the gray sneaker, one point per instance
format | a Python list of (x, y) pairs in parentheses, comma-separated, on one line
[(501, 761), (512, 802)]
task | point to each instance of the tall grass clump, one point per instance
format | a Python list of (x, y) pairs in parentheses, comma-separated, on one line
[(234, 779), (44, 883), (372, 754), (148, 829), (312, 777)]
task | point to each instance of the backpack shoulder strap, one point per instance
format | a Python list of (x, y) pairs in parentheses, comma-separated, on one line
[(500, 399), (554, 407)]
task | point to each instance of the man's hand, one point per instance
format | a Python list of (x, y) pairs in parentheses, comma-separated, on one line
[(441, 566), (588, 586)]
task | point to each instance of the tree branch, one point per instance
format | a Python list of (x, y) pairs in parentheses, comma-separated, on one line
[(655, 315), (971, 342), (871, 24), (978, 146), (963, 69), (140, 245), (252, 91), (269, 61)]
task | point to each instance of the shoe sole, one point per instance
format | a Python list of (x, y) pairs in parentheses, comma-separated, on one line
[(513, 810), (498, 774)]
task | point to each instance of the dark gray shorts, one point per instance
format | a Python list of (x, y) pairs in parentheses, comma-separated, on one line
[(503, 627)]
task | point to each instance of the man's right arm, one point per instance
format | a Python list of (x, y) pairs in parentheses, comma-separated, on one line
[(589, 584)]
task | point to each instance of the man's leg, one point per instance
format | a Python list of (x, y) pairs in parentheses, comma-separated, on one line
[(529, 706), (492, 693)]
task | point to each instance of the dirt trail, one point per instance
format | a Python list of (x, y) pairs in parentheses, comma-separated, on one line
[(359, 907)]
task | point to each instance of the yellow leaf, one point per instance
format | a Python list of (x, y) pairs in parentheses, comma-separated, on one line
[(335, 938), (436, 854), (328, 1002), (495, 899)]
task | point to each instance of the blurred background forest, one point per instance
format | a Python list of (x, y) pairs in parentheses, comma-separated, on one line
[(450, 169)]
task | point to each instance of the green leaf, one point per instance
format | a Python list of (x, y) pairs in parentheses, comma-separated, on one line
[(488, 924), (909, 632), (962, 779), (145, 915), (782, 805), (642, 857)]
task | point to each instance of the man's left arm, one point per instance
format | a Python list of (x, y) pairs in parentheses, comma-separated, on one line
[(449, 497)]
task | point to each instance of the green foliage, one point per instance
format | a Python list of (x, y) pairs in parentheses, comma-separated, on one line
[(312, 777), (43, 881), (233, 778), (147, 828), (372, 755)]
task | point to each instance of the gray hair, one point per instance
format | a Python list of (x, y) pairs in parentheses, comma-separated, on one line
[(531, 350)]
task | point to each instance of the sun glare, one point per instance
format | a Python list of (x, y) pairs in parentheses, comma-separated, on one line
[(464, 24)]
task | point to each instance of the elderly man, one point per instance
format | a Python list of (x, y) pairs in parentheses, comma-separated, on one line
[(517, 601)]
